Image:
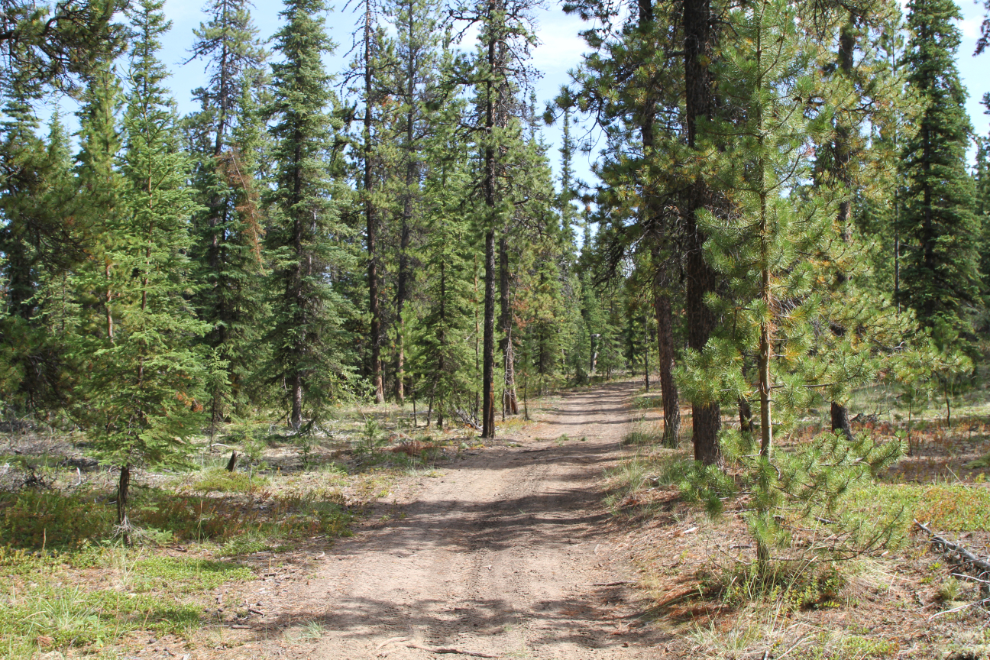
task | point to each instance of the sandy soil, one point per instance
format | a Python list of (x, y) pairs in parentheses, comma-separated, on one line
[(506, 554)]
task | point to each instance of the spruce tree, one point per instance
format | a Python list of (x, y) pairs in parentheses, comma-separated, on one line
[(40, 244), (145, 394), (305, 232), (441, 357), (225, 141), (938, 229)]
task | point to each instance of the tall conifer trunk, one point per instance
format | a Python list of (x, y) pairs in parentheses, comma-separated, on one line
[(843, 147), (371, 216), (699, 40), (510, 403), (488, 376), (488, 349), (668, 387), (402, 285)]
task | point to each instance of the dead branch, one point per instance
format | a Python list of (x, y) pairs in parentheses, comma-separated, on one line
[(961, 608), (467, 420), (958, 553), (450, 650)]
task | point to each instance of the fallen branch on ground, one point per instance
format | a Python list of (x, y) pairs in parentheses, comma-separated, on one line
[(977, 603), (433, 649), (450, 650), (468, 420), (958, 553)]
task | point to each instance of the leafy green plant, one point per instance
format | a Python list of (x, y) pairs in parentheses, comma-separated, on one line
[(372, 438)]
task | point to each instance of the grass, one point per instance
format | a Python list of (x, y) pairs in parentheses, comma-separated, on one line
[(644, 433), (56, 538), (647, 402), (52, 616), (786, 589), (67, 583), (220, 480), (947, 507)]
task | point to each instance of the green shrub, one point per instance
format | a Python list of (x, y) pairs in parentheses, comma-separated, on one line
[(221, 481)]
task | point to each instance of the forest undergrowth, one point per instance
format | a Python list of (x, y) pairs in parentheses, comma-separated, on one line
[(701, 578), (201, 533)]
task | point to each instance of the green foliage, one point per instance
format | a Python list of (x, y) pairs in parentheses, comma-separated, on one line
[(220, 480), (142, 398), (818, 484), (940, 233), (306, 238)]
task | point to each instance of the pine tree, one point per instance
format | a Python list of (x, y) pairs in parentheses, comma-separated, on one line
[(144, 397), (441, 360), (305, 232), (421, 57), (40, 244), (226, 139), (938, 229), (53, 45), (769, 74), (504, 38)]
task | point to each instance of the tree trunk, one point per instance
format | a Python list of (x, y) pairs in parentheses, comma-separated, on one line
[(123, 487), (745, 416), (477, 341), (509, 399), (372, 219), (668, 387), (840, 420), (402, 292), (646, 361), (699, 51), (488, 351), (295, 419), (843, 155)]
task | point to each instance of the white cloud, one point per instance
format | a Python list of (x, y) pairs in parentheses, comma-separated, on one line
[(970, 27), (560, 46)]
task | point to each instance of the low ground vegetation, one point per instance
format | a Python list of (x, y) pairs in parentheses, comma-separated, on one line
[(700, 574), (71, 585)]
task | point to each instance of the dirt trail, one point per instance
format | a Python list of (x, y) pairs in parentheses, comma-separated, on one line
[(506, 554)]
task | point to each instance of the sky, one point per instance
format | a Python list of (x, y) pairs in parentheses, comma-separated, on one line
[(559, 52)]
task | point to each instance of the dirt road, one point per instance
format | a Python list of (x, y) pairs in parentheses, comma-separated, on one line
[(506, 554)]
